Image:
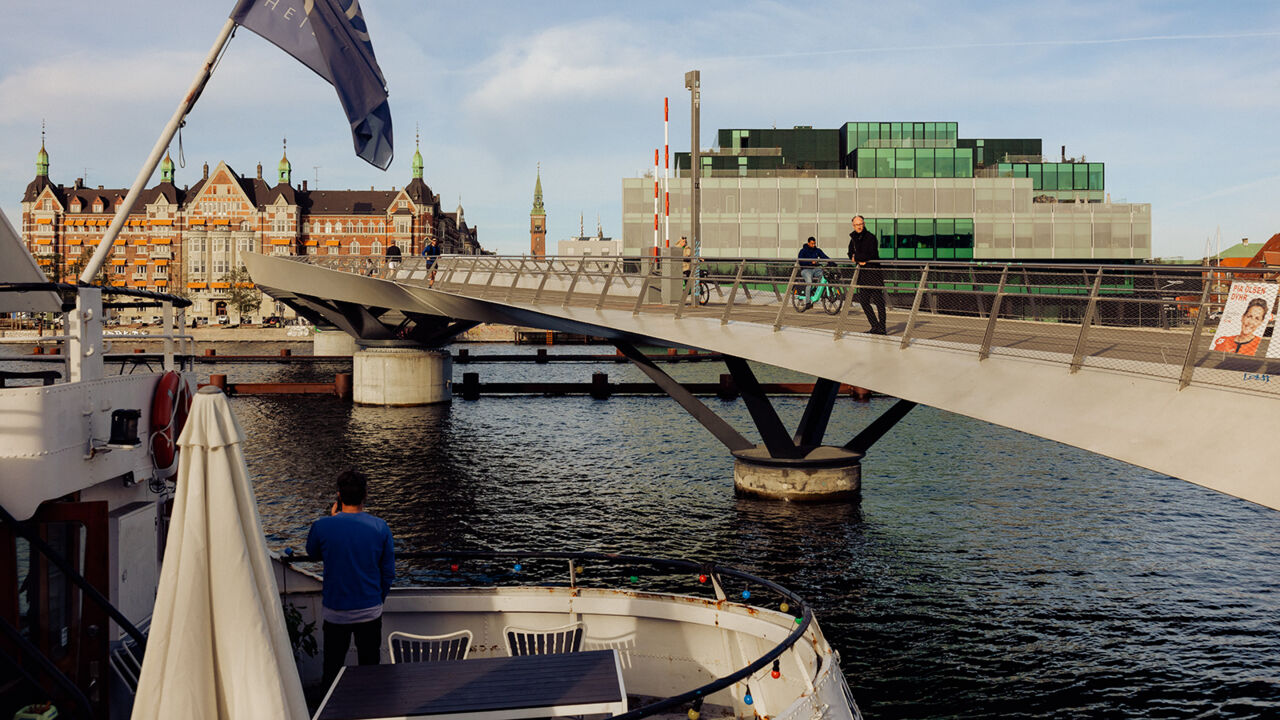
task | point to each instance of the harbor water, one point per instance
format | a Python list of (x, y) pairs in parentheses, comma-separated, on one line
[(985, 573)]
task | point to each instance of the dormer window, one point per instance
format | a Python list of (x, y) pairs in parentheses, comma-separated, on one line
[(75, 205), (97, 206)]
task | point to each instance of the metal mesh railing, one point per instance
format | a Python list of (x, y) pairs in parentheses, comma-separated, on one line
[(1151, 320)]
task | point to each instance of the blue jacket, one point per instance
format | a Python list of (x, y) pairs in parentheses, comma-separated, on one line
[(359, 559), (810, 252), (431, 252)]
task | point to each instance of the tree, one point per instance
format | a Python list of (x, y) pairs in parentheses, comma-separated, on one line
[(242, 294)]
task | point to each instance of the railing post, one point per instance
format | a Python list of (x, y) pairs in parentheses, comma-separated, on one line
[(607, 282), (915, 307), (511, 291), (546, 274), (733, 294), (644, 290), (471, 268), (493, 273), (848, 302), (1187, 364), (688, 286), (782, 303), (984, 352), (573, 283), (1077, 358)]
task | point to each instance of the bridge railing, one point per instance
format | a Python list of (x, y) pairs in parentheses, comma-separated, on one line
[(1156, 320)]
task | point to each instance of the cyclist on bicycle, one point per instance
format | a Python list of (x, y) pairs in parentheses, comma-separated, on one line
[(810, 268)]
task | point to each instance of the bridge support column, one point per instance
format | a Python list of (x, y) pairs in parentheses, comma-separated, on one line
[(402, 377), (334, 343), (825, 474)]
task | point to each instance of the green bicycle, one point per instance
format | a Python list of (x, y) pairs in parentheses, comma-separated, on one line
[(828, 290)]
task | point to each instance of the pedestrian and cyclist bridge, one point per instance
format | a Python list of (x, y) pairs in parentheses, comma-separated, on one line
[(1116, 360)]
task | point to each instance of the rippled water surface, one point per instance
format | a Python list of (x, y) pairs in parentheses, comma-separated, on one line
[(985, 573)]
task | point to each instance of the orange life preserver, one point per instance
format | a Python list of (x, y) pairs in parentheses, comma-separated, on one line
[(169, 407)]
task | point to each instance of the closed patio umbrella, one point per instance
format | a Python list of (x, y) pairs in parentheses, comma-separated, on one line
[(218, 647)]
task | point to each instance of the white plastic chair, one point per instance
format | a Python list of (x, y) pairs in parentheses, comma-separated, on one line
[(543, 641), (407, 647)]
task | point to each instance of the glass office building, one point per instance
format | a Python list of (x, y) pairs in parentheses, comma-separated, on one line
[(925, 192)]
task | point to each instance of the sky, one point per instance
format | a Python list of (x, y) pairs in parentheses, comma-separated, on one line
[(1179, 99)]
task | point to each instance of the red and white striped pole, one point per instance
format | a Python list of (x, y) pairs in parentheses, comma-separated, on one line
[(666, 172), (655, 201)]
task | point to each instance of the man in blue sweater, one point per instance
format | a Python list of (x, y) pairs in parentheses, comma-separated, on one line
[(359, 565)]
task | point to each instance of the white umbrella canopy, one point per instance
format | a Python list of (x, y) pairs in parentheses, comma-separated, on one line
[(218, 647)]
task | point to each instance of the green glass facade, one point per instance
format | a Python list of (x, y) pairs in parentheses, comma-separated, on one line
[(923, 238), (914, 162)]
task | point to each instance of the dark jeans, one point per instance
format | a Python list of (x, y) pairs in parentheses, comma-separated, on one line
[(871, 291), (337, 638)]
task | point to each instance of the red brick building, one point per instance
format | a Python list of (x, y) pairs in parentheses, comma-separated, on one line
[(188, 240)]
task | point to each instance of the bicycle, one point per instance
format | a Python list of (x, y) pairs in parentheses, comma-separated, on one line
[(829, 289), (701, 292)]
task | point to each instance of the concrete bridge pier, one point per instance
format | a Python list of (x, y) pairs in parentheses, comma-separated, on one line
[(825, 473), (401, 377), (333, 343), (785, 466)]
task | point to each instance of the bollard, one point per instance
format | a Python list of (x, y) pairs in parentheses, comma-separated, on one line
[(728, 390), (464, 356), (342, 385), (600, 386), (550, 335), (210, 352), (471, 386), (859, 394), (136, 351), (37, 350), (542, 355), (219, 381), (55, 350), (285, 352), (671, 351)]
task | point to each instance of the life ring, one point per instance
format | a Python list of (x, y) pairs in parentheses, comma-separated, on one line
[(169, 407)]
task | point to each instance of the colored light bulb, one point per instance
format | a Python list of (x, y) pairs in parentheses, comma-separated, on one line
[(746, 594), (702, 578)]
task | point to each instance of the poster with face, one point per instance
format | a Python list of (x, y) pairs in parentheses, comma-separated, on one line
[(1245, 317)]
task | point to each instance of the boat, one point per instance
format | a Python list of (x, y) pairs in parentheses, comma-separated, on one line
[(84, 520), (90, 476)]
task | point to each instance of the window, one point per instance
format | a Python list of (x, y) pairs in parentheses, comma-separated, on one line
[(353, 248), (333, 249), (375, 248), (162, 271), (244, 244), (402, 225)]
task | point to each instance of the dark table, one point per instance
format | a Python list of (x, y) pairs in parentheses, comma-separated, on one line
[(506, 688)]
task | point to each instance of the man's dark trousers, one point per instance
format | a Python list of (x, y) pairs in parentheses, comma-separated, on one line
[(337, 638), (871, 290)]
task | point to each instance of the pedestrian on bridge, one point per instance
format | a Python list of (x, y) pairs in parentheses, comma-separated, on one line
[(865, 251), (431, 253), (810, 268)]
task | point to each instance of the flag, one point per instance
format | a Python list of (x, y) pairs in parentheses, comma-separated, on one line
[(331, 38)]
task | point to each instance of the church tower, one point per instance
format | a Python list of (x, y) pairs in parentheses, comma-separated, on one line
[(538, 221)]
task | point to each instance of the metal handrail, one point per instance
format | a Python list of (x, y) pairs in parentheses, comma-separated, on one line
[(1155, 298), (713, 572)]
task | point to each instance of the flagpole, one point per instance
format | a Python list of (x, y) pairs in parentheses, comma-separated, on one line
[(149, 167)]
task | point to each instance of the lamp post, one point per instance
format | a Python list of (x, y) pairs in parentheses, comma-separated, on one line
[(693, 82)]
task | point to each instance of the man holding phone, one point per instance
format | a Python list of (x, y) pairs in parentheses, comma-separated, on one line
[(359, 566)]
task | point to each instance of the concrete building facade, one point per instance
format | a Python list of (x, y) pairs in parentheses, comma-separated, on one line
[(925, 192)]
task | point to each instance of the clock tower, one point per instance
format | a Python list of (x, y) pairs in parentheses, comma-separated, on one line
[(538, 221)]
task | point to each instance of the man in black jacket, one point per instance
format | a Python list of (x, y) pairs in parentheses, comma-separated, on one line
[(865, 251)]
